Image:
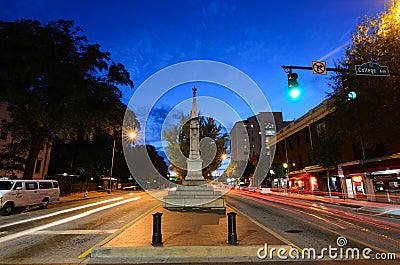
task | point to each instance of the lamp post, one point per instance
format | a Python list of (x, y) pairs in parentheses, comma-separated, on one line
[(131, 134), (285, 166), (112, 167)]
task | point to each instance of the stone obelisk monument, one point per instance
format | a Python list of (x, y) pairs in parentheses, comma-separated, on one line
[(194, 163), (194, 193)]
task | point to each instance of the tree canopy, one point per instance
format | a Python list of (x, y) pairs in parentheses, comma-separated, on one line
[(57, 83), (212, 147), (372, 115)]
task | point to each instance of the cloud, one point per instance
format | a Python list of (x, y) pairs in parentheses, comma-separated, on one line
[(335, 51)]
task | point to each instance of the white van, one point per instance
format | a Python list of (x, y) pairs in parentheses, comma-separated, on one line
[(26, 193)]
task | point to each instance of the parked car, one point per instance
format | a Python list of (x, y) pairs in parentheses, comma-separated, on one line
[(26, 193)]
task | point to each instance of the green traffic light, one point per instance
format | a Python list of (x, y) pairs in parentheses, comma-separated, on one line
[(294, 90), (351, 95), (294, 93)]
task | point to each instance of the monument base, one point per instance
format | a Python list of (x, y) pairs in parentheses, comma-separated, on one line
[(194, 197), (202, 182)]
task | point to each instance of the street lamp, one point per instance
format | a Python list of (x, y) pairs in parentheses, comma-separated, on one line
[(131, 134), (286, 166)]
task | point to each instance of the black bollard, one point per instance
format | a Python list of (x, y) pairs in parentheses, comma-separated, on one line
[(157, 237), (232, 236)]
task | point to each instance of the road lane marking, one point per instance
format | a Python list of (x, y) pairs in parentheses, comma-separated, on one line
[(76, 232), (61, 212), (65, 220), (119, 231)]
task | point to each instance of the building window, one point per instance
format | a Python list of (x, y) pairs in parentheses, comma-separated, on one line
[(309, 158), (298, 141), (269, 129), (290, 144), (321, 128), (38, 166)]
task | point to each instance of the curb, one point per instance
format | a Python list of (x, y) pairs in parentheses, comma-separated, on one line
[(198, 252)]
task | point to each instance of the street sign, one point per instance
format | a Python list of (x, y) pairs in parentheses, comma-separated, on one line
[(319, 67), (372, 69)]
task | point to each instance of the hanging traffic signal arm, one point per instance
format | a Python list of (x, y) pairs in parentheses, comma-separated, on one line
[(289, 68), (294, 91)]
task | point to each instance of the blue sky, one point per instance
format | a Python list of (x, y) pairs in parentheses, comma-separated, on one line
[(255, 36)]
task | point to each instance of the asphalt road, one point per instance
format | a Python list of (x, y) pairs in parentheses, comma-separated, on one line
[(63, 232), (316, 225)]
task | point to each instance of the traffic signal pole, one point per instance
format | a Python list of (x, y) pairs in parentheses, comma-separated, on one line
[(288, 68)]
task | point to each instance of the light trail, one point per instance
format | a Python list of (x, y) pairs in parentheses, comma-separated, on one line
[(65, 220), (337, 217), (61, 212), (370, 220)]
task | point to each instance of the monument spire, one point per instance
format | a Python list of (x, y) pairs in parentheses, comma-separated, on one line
[(194, 129), (194, 113)]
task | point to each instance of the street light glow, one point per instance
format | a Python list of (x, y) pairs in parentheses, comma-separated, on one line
[(132, 135)]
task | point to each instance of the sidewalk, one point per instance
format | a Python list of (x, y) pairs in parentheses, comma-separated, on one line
[(188, 237), (79, 196)]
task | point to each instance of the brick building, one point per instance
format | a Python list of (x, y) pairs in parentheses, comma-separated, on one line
[(371, 174)]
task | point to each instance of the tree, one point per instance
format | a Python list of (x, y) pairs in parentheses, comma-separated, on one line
[(326, 151), (56, 83), (369, 117), (212, 148), (146, 164)]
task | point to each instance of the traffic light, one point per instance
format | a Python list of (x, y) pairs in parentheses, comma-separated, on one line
[(348, 81), (293, 86)]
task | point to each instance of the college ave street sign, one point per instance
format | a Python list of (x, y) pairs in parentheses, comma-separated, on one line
[(372, 69)]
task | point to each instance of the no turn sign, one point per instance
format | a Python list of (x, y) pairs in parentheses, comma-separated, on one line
[(319, 67)]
